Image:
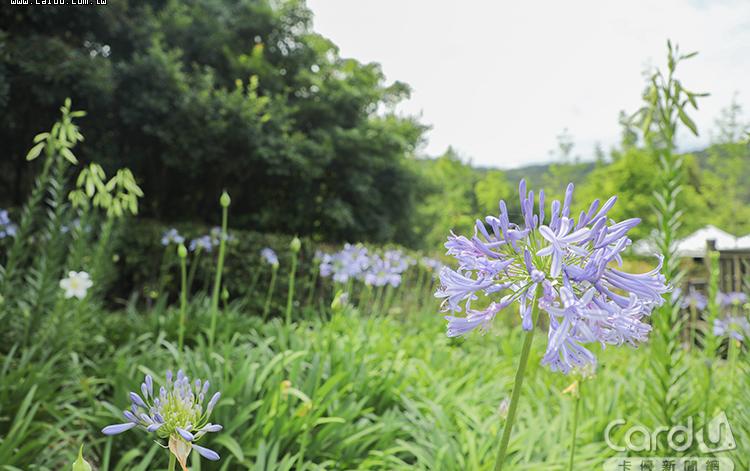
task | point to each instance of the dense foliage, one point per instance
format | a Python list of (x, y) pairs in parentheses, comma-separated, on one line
[(199, 96)]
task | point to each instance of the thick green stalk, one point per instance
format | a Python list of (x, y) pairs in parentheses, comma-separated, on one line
[(172, 462), (693, 320), (290, 293), (312, 285), (219, 271), (517, 385), (577, 396), (183, 300), (269, 295)]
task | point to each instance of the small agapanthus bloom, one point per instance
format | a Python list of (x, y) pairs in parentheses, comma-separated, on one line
[(380, 273), (431, 263), (7, 228), (76, 284), (694, 299), (568, 267), (269, 256), (174, 413), (216, 236), (734, 298), (171, 236), (734, 327), (204, 243), (349, 262)]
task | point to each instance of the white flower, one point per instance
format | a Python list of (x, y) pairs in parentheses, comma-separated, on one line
[(76, 284)]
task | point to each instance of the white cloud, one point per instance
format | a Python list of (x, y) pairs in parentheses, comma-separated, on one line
[(499, 80)]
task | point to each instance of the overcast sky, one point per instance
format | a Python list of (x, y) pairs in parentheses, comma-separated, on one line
[(499, 80)]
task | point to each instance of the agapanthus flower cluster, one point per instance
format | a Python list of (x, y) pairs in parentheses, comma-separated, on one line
[(171, 236), (736, 327), (694, 300), (568, 267), (269, 256), (206, 243), (386, 270), (734, 298), (175, 413), (349, 262), (355, 262), (431, 263), (7, 227)]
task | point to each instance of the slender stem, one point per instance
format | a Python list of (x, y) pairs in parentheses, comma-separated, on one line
[(312, 285), (219, 270), (575, 425), (517, 385), (183, 301), (172, 462), (290, 293), (691, 327), (732, 355), (194, 267), (269, 295)]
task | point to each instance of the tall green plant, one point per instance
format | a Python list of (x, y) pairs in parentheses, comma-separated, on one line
[(225, 201), (666, 107)]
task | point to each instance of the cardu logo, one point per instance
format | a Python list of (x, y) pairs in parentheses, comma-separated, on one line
[(715, 437)]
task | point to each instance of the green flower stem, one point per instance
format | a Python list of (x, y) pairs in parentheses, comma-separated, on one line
[(378, 299), (172, 462), (269, 295), (517, 385), (312, 285), (732, 356), (691, 327), (290, 293), (219, 270), (193, 268), (183, 301), (575, 425)]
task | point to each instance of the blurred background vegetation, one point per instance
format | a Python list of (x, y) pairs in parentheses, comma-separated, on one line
[(197, 96)]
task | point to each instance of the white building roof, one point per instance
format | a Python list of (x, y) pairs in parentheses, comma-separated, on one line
[(694, 245)]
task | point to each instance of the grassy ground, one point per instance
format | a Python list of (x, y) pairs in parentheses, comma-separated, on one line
[(349, 391)]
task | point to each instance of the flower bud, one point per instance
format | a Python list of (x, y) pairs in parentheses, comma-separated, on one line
[(225, 200), (503, 408), (225, 295), (340, 301), (182, 251), (295, 245), (80, 464)]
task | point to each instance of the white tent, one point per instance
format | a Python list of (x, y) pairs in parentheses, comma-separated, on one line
[(694, 245)]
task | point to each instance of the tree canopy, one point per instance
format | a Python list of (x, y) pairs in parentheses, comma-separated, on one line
[(198, 96)]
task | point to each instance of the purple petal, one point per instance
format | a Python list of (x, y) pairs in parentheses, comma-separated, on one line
[(117, 428), (185, 434), (206, 453)]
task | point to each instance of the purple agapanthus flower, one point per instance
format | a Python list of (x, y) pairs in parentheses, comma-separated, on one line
[(269, 256), (431, 263), (203, 243), (7, 227), (568, 267), (171, 236), (734, 327), (694, 299), (175, 413), (734, 298), (349, 262)]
